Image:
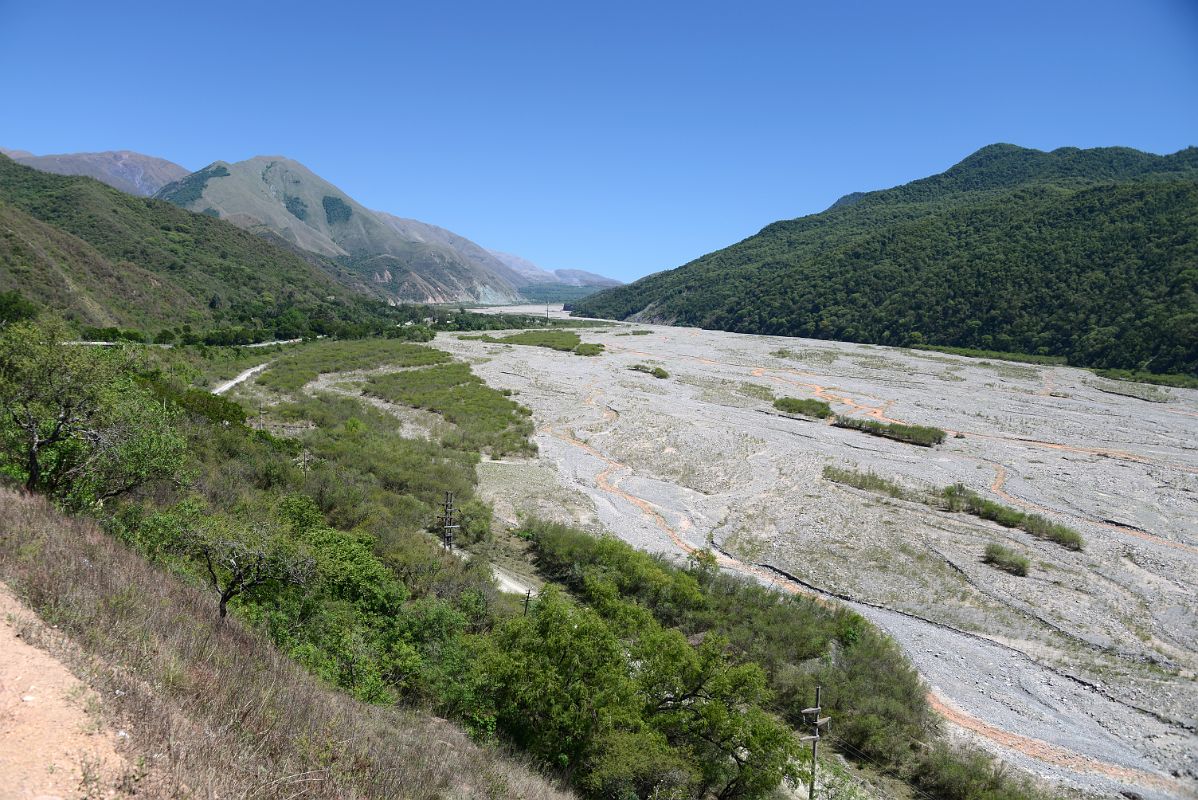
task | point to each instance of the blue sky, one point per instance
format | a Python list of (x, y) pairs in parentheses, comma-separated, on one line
[(623, 138)]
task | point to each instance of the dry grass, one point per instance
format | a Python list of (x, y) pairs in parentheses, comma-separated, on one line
[(214, 709)]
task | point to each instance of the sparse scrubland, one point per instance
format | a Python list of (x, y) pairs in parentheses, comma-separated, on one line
[(959, 498), (217, 709)]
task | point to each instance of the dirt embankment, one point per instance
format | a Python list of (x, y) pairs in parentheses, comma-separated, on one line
[(53, 741)]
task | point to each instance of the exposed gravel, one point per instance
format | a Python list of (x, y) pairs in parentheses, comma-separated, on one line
[(1083, 672)]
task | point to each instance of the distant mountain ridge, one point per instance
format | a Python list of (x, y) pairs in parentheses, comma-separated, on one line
[(400, 259), (531, 273), (394, 258), (130, 172), (1087, 254)]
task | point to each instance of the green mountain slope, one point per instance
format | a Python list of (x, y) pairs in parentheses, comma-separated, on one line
[(1088, 254), (103, 257), (130, 172), (272, 194)]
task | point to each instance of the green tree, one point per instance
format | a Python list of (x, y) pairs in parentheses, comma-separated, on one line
[(74, 424), (238, 558)]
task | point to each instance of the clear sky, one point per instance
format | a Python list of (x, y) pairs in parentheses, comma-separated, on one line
[(618, 137)]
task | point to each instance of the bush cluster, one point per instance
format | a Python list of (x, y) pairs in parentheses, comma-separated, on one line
[(804, 406), (656, 372), (1006, 559), (921, 435), (959, 498)]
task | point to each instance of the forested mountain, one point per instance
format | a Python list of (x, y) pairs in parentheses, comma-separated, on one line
[(103, 257), (275, 195), (130, 172), (1088, 254)]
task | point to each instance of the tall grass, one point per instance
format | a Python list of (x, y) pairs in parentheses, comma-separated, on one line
[(214, 708)]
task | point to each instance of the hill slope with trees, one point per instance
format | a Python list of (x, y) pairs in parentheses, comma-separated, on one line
[(1086, 254), (102, 257)]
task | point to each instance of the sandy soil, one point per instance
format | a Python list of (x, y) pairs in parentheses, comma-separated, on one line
[(53, 743), (1083, 672)]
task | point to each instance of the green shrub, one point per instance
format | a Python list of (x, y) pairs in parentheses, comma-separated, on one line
[(484, 419), (921, 435), (589, 349), (805, 406), (958, 498), (656, 372), (298, 367), (869, 481), (1006, 559)]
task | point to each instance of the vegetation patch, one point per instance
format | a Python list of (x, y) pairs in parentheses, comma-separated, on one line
[(634, 333), (1139, 391), (804, 406), (297, 207), (921, 435), (756, 391), (189, 189), (296, 368), (656, 372), (1006, 559), (484, 418), (589, 349), (565, 341), (336, 210), (871, 482), (997, 355), (1139, 376), (958, 498)]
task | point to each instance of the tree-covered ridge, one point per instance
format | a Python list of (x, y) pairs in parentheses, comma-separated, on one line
[(104, 257), (1087, 254)]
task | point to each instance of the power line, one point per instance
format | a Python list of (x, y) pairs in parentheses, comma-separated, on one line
[(447, 522), (817, 722)]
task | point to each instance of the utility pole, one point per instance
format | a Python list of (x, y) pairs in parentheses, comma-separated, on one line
[(447, 523), (816, 722), (527, 597)]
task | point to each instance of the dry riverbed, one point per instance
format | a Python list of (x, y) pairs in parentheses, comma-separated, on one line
[(1082, 672)]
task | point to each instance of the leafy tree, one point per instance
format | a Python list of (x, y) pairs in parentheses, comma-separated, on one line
[(239, 558), (15, 308), (75, 424)]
